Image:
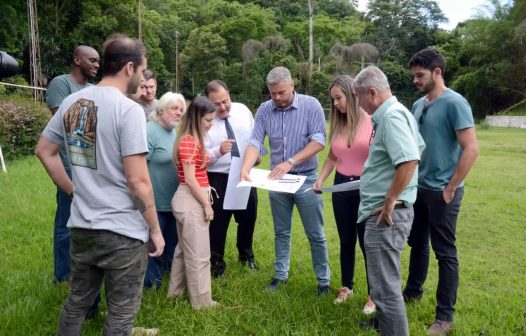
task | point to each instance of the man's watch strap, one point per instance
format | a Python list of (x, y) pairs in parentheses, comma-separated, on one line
[(291, 161)]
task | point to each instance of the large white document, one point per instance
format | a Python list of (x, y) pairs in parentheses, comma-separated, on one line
[(288, 183), (235, 198)]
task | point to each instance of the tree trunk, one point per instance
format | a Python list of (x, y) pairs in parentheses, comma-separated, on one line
[(139, 19), (311, 45), (35, 68)]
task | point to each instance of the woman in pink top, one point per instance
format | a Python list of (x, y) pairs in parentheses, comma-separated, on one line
[(192, 208), (350, 133)]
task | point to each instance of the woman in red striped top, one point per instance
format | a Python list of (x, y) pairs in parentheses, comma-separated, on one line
[(192, 208)]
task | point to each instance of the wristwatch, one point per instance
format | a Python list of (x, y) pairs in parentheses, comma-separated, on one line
[(291, 161)]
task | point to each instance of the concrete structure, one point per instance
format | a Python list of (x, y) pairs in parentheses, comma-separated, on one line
[(504, 121)]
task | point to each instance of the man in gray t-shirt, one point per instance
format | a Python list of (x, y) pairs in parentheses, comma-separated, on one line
[(85, 65), (113, 212)]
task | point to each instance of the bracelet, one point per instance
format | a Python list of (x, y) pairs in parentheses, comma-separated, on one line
[(70, 195)]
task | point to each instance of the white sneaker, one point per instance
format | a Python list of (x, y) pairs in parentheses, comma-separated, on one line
[(344, 294), (369, 307), (211, 305), (140, 331)]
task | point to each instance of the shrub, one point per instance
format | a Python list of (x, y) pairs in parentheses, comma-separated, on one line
[(21, 123), (482, 124)]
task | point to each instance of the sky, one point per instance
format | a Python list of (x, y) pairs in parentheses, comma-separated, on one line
[(455, 10)]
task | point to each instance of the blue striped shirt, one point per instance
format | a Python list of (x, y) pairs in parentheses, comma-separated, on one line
[(289, 130)]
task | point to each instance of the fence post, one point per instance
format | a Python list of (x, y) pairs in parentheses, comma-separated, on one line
[(2, 160)]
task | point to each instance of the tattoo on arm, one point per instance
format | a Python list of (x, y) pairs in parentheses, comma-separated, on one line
[(140, 204)]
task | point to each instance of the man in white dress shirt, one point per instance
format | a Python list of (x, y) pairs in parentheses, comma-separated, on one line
[(236, 119)]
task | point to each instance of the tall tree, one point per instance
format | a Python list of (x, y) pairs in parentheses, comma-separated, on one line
[(400, 28), (238, 23), (13, 30), (488, 53), (205, 56), (327, 32)]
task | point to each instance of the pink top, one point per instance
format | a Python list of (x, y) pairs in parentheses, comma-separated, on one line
[(350, 161)]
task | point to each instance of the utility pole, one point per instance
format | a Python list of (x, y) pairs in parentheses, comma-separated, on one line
[(139, 19), (177, 88), (311, 44), (35, 68)]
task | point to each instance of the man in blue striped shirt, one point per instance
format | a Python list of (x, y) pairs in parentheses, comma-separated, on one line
[(295, 125)]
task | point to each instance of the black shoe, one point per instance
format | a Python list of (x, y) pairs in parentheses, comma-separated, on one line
[(323, 290), (217, 268), (274, 284), (411, 298), (218, 273), (370, 324), (250, 264)]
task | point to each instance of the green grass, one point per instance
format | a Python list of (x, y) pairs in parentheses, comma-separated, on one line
[(491, 241)]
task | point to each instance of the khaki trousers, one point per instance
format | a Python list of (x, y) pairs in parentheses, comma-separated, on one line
[(191, 262)]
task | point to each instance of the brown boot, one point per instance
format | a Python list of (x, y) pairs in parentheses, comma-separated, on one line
[(440, 328)]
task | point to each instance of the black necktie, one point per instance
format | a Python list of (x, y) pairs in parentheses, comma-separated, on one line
[(230, 134)]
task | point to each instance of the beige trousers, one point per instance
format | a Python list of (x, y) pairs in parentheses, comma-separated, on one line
[(191, 262)]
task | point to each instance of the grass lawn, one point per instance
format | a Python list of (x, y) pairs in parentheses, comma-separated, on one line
[(491, 241)]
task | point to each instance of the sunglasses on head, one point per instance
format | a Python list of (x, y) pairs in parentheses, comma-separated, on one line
[(423, 115)]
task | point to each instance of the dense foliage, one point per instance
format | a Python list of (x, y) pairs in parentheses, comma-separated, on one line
[(21, 123), (240, 41), (489, 54)]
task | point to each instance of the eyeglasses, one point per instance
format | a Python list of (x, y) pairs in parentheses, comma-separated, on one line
[(423, 115)]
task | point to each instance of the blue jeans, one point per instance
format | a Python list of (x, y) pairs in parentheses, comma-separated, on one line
[(310, 206), (436, 220), (158, 266), (62, 259), (383, 246)]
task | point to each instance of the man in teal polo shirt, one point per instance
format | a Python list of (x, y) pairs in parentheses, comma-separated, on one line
[(446, 122), (387, 192)]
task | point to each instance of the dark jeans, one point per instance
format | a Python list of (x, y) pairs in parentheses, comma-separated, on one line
[(436, 220), (158, 266), (62, 260), (345, 206), (120, 261), (246, 220)]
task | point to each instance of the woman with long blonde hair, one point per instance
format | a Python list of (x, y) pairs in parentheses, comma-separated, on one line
[(350, 133), (192, 207)]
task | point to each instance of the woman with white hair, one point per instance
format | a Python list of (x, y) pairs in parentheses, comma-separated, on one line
[(163, 174)]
